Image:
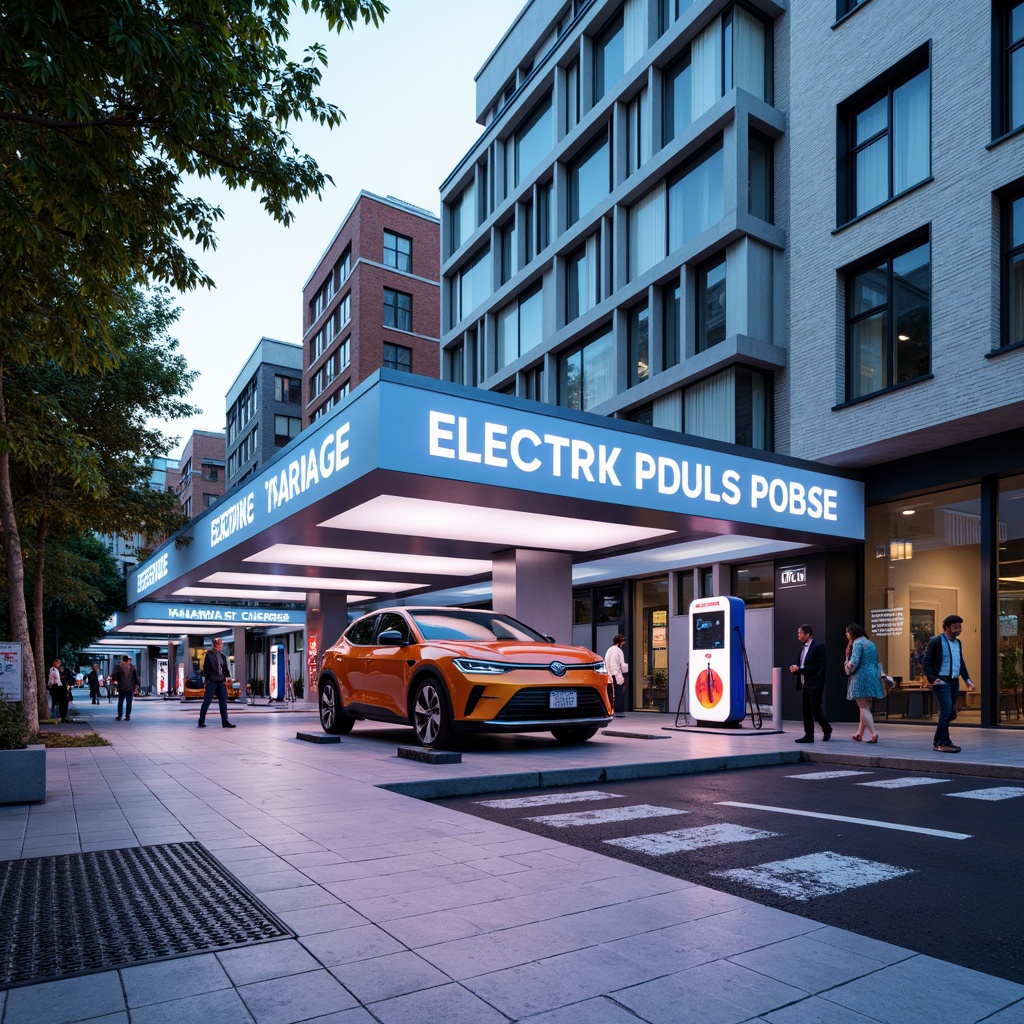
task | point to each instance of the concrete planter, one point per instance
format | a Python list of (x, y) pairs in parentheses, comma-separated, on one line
[(23, 775)]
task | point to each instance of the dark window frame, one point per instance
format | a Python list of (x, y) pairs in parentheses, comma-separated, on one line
[(1003, 51), (395, 308), (399, 258), (1010, 255), (397, 357), (702, 291)]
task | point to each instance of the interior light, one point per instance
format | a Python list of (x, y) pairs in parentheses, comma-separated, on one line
[(310, 582), (909, 511), (361, 558), (901, 549)]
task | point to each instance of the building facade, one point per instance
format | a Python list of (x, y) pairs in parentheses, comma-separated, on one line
[(372, 301), (672, 219), (264, 407), (202, 473)]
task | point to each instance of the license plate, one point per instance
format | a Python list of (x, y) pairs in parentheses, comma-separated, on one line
[(563, 699)]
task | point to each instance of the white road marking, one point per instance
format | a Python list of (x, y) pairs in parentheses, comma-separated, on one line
[(903, 783), (995, 793), (815, 776), (853, 821), (606, 814), (680, 840), (817, 874), (549, 798)]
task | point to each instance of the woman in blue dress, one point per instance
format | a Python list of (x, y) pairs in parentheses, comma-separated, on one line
[(865, 681)]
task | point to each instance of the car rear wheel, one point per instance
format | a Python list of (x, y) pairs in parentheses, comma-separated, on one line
[(574, 734), (430, 717), (332, 716)]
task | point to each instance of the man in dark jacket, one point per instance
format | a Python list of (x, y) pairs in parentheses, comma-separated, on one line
[(93, 679), (944, 665), (216, 672), (810, 680), (126, 677)]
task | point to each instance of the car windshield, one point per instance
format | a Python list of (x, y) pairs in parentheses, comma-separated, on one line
[(470, 625)]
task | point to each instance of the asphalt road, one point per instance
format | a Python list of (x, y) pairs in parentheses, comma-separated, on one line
[(929, 862)]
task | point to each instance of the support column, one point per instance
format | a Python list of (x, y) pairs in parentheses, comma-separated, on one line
[(241, 664), (326, 620), (536, 588)]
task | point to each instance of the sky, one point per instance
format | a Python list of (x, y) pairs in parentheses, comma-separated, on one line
[(409, 96)]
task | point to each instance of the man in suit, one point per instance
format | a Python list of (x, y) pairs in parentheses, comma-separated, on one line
[(810, 680), (215, 670)]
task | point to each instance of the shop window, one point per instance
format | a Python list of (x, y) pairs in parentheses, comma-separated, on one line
[(1011, 601), (1008, 74), (754, 582), (685, 591), (608, 605), (1013, 269), (707, 582), (651, 637), (581, 608), (888, 319), (885, 138)]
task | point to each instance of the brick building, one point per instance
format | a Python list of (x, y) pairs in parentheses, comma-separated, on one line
[(201, 477), (373, 300)]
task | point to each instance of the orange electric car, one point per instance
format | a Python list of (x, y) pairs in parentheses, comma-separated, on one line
[(446, 671)]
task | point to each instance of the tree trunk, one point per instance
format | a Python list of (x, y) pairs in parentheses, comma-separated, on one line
[(42, 529), (16, 580)]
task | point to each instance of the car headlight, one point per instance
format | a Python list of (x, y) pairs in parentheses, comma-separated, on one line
[(475, 667), (598, 666)]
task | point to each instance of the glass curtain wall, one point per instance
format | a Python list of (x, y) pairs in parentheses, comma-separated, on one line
[(650, 644), (1011, 601)]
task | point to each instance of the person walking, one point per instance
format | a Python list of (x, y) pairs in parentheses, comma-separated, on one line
[(944, 667), (810, 680), (865, 679), (215, 671), (59, 692), (125, 676), (617, 669), (93, 679)]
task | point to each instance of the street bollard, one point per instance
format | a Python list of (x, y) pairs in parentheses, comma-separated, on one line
[(777, 699)]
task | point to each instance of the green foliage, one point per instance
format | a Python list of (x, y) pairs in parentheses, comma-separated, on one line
[(12, 724)]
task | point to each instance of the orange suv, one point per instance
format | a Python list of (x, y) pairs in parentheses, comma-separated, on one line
[(446, 671)]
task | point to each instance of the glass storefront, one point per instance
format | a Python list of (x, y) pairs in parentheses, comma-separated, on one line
[(650, 604), (923, 562), (1011, 600)]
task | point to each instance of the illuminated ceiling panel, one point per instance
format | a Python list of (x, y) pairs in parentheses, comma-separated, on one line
[(236, 592), (444, 520), (309, 583), (351, 558)]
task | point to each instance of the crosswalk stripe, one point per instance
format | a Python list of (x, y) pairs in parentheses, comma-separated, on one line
[(919, 829), (903, 783), (994, 793), (816, 874), (511, 802), (817, 776), (605, 815), (681, 840)]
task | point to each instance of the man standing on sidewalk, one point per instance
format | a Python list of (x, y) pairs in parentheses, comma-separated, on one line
[(125, 676), (943, 664), (810, 680), (215, 670)]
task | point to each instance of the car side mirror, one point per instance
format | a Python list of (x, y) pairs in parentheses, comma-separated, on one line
[(391, 638), (550, 639)]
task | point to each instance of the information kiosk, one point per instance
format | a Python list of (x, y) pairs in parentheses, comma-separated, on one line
[(716, 678)]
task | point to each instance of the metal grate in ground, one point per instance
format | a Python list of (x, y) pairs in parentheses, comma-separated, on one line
[(84, 912)]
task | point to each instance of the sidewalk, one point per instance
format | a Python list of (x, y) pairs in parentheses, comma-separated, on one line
[(408, 912)]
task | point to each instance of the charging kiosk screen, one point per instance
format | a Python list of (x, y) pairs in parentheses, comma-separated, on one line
[(716, 679)]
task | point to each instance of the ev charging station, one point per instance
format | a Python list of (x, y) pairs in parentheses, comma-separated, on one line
[(716, 680), (277, 681)]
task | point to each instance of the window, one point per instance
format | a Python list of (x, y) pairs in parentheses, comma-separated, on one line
[(677, 104), (533, 383), (888, 320), (287, 389), (545, 217), (639, 347), (732, 406), (533, 141), (608, 56), (526, 219), (696, 198), (582, 288), (508, 250), (572, 95), (672, 326), (755, 583), (323, 296), (397, 310), (285, 428), (210, 472), (642, 414), (647, 231), (1013, 271), (474, 284), (456, 372), (397, 357), (520, 327), (885, 140), (463, 213), (586, 374), (844, 7), (397, 251), (711, 305), (1009, 76), (638, 138), (760, 178), (344, 267), (590, 178), (209, 500)]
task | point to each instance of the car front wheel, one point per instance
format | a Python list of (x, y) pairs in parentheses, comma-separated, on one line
[(574, 734), (332, 716), (430, 716)]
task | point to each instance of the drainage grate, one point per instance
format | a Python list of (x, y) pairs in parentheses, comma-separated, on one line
[(84, 912)]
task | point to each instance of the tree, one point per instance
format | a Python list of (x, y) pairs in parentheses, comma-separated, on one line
[(105, 107)]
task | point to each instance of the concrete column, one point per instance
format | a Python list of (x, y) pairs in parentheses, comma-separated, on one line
[(326, 619), (536, 588), (241, 664)]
